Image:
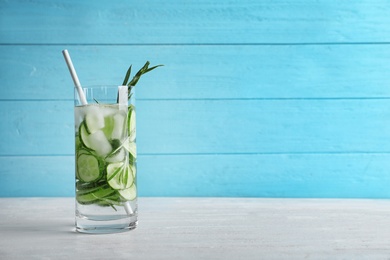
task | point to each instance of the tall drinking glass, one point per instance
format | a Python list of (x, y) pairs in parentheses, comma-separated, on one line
[(105, 160)]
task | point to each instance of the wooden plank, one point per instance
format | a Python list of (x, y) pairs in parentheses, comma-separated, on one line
[(235, 175), (212, 126), (193, 22), (274, 175), (37, 128), (42, 176), (202, 72), (263, 126)]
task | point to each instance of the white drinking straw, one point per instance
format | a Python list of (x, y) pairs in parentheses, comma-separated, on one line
[(123, 103), (76, 81)]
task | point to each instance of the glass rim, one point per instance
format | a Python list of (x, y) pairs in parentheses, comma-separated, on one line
[(103, 86), (104, 93)]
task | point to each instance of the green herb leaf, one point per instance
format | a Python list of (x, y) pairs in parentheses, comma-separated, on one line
[(127, 76), (145, 69)]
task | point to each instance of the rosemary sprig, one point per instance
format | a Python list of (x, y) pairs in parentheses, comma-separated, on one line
[(145, 69)]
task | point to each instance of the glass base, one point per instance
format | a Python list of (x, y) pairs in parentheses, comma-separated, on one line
[(86, 225), (103, 220)]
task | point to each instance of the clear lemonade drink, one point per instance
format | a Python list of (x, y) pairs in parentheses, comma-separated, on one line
[(106, 172)]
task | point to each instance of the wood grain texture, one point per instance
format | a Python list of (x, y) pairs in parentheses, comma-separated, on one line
[(202, 72), (230, 175), (194, 22), (272, 98), (37, 176), (212, 126), (265, 126)]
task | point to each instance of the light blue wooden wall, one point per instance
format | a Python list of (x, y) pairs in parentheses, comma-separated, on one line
[(268, 98)]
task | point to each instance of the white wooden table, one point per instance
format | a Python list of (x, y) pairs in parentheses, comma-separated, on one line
[(203, 228)]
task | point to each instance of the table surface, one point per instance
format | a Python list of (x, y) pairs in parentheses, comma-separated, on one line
[(203, 228)]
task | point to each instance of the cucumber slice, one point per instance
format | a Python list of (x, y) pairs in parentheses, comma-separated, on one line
[(109, 126), (83, 151), (118, 131), (96, 141), (83, 136), (87, 190), (88, 168), (133, 170), (117, 156), (130, 146), (119, 176), (131, 121), (88, 186), (129, 193), (94, 119), (78, 142), (95, 196)]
